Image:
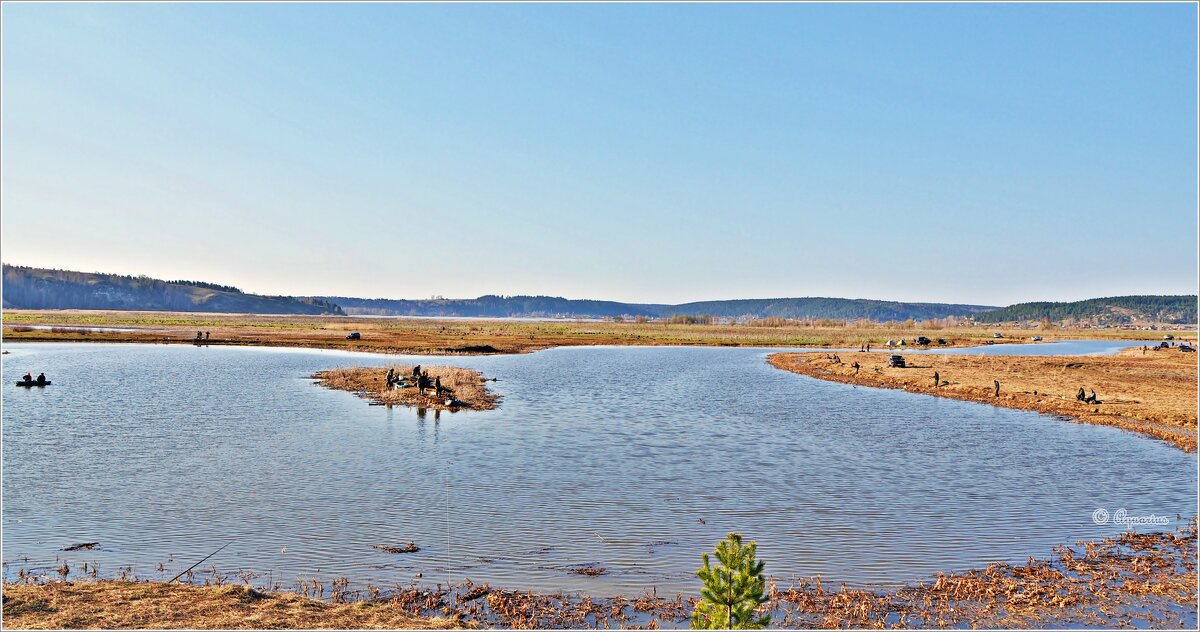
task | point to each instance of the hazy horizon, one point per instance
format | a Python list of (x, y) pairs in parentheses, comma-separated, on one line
[(973, 154)]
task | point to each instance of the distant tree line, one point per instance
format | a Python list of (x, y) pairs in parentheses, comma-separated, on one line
[(210, 286), (1113, 310), (41, 288), (807, 309)]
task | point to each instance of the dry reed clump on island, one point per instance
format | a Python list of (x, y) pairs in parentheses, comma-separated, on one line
[(467, 389), (1150, 392)]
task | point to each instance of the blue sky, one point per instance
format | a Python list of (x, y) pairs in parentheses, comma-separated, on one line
[(987, 153)]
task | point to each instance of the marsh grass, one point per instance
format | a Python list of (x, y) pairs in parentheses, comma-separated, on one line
[(459, 337), (1152, 393), (467, 388), (1130, 580)]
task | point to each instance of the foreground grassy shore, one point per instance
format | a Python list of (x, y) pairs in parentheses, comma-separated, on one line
[(1145, 580), (426, 336), (1152, 392), (134, 605)]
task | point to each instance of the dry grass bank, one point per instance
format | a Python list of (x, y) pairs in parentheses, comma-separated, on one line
[(1153, 393), (139, 605), (468, 388), (449, 336), (1145, 580)]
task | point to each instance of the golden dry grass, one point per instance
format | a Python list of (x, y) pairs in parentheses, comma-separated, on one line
[(1152, 393), (141, 605), (1130, 580), (468, 388), (448, 337)]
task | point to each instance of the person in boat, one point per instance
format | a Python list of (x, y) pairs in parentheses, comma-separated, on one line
[(41, 379), (28, 378)]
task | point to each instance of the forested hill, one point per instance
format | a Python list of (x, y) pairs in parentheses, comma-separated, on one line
[(550, 306), (1114, 310), (817, 307), (40, 288), (491, 306)]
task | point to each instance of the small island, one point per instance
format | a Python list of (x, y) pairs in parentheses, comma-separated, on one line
[(435, 387)]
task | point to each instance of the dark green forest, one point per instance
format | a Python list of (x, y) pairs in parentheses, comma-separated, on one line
[(1114, 310), (41, 288)]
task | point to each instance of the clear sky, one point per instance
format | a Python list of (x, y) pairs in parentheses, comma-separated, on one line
[(986, 154)]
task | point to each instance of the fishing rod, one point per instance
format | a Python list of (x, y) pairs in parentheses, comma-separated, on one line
[(200, 562)]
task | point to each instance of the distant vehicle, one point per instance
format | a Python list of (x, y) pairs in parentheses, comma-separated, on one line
[(896, 361), (1163, 345), (1183, 346), (1037, 338), (354, 336), (1168, 337), (922, 340), (997, 335), (942, 341)]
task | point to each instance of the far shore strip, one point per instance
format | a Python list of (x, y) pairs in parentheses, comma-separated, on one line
[(466, 389), (1150, 392)]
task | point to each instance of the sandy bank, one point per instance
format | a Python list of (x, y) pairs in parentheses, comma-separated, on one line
[(1152, 393)]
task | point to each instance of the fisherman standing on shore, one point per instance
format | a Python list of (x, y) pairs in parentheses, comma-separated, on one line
[(937, 379)]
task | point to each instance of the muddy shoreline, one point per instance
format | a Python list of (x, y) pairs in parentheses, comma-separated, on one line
[(1151, 393), (1132, 579)]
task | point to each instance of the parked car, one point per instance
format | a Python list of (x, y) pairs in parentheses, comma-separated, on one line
[(1037, 338), (942, 341), (896, 362), (997, 335), (354, 335), (1168, 337), (1185, 347), (922, 340)]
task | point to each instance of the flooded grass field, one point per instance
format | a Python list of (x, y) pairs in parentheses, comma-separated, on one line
[(605, 470)]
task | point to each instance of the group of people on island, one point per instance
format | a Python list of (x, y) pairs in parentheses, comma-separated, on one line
[(419, 378)]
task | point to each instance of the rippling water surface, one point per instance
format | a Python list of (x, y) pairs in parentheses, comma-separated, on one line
[(634, 459)]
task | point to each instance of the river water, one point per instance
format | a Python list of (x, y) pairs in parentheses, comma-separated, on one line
[(633, 459)]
